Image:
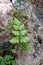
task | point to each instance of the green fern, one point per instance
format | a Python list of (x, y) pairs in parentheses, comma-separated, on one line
[(20, 36)]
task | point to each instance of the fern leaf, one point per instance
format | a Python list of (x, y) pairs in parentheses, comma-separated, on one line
[(14, 40)]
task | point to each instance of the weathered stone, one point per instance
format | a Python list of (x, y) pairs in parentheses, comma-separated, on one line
[(6, 13), (34, 57), (4, 1)]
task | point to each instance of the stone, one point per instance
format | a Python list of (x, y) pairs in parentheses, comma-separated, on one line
[(35, 56), (4, 1), (6, 13)]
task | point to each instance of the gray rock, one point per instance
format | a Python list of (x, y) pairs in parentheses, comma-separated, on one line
[(35, 27), (6, 13)]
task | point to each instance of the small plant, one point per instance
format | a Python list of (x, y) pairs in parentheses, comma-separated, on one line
[(21, 16), (8, 27), (19, 39), (7, 60), (20, 36), (1, 61), (18, 14)]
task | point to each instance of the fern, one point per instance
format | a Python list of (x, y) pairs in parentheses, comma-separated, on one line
[(20, 36)]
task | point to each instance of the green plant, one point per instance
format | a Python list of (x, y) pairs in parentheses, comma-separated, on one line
[(20, 36), (21, 16), (8, 27), (1, 61), (18, 14), (7, 60)]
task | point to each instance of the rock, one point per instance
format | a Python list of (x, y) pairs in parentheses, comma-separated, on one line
[(35, 26), (4, 1), (6, 13)]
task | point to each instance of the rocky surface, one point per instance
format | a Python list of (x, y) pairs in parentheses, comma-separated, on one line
[(35, 56), (6, 13), (35, 26)]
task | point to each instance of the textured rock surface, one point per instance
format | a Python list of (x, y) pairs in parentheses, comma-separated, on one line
[(6, 13), (35, 26), (4, 0)]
